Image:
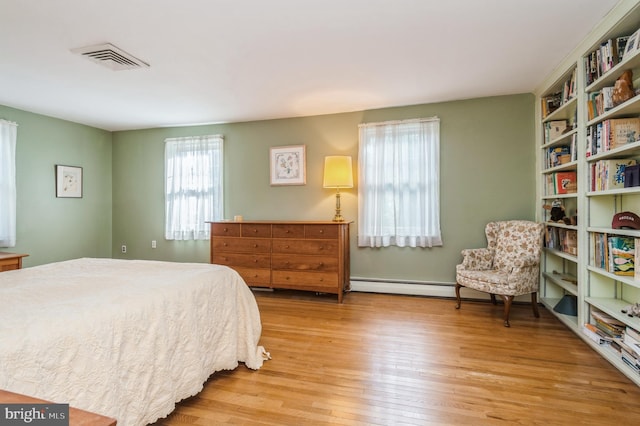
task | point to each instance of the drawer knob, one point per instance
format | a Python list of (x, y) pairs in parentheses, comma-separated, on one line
[(225, 244), (287, 278), (255, 260), (321, 279), (288, 232), (286, 247), (322, 231), (226, 229), (255, 246), (321, 264), (255, 231)]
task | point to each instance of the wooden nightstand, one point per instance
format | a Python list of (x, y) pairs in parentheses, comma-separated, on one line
[(10, 261)]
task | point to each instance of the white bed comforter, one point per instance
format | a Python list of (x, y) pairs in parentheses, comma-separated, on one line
[(123, 338)]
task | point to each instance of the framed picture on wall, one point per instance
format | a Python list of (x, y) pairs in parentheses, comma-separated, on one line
[(288, 165), (68, 181)]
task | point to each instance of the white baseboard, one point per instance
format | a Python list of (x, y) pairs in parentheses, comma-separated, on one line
[(420, 288)]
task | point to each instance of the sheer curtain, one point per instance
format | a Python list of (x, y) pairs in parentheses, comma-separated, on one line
[(8, 136), (193, 186), (399, 184)]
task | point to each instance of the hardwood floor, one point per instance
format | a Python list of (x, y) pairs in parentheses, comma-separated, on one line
[(389, 359)]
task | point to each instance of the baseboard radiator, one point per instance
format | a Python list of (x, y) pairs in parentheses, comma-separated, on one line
[(419, 288)]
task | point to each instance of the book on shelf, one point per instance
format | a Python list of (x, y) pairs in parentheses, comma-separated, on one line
[(609, 321), (565, 182), (611, 134), (554, 129), (562, 239), (632, 343), (621, 255), (623, 131), (550, 103), (633, 333), (609, 174), (558, 155), (596, 334), (610, 53), (599, 254)]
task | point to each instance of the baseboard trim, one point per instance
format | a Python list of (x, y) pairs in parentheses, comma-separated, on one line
[(418, 288)]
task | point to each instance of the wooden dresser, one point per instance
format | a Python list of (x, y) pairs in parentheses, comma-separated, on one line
[(311, 256), (10, 261)]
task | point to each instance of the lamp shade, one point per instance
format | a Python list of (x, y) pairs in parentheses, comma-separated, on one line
[(338, 172)]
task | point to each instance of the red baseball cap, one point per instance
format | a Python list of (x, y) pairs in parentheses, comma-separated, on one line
[(628, 220)]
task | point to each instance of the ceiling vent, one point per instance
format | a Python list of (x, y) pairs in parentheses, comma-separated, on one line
[(111, 57)]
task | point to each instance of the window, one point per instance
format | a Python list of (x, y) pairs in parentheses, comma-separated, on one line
[(399, 184), (193, 186), (8, 134)]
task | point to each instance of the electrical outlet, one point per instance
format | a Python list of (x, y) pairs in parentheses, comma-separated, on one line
[(124, 248), (153, 243)]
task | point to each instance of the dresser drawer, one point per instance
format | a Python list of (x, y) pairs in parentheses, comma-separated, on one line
[(288, 231), (304, 263), (321, 231), (9, 265), (318, 247), (315, 281), (244, 245), (256, 230), (225, 229), (242, 259), (255, 276)]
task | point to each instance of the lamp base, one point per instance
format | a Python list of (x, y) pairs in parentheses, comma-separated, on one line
[(338, 217)]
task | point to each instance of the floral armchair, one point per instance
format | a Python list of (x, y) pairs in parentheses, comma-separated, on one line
[(508, 267)]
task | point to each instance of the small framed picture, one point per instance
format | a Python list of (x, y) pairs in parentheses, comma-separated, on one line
[(632, 44), (68, 181), (288, 165)]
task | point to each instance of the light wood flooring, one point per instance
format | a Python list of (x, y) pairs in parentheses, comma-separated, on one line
[(402, 360)]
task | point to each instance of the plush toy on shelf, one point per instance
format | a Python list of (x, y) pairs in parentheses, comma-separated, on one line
[(632, 310), (557, 212)]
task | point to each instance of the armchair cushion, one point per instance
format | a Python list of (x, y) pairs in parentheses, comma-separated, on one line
[(478, 259)]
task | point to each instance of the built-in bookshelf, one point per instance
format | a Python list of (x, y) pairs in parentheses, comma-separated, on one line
[(559, 192), (586, 257)]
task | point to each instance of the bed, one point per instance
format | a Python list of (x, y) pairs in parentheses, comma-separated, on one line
[(124, 338)]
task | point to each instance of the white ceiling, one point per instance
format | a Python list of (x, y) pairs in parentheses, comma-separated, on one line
[(239, 60)]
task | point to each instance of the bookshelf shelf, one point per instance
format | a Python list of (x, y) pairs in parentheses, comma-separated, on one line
[(566, 285), (568, 320), (573, 165), (621, 278), (562, 140), (597, 291), (561, 254)]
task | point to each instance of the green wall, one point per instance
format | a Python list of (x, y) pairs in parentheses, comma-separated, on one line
[(487, 171), (49, 228)]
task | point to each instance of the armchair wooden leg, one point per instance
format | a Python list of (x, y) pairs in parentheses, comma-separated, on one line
[(493, 298), (458, 300), (534, 303), (507, 308)]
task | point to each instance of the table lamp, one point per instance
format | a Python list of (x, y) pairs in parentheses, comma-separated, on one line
[(338, 174)]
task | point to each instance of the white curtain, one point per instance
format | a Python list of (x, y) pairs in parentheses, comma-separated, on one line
[(8, 136), (399, 184), (193, 186)]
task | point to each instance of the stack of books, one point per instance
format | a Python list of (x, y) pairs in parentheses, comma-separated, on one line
[(561, 183), (630, 348), (611, 134), (608, 174), (614, 253), (605, 57)]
